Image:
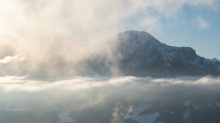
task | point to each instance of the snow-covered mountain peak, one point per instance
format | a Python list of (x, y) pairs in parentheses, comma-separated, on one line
[(130, 41), (143, 55), (131, 37), (215, 60)]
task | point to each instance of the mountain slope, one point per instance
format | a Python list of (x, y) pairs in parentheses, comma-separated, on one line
[(143, 55)]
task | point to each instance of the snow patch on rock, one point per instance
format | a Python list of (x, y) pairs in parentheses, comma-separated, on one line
[(187, 103), (197, 107), (218, 104), (64, 117), (186, 115), (134, 114)]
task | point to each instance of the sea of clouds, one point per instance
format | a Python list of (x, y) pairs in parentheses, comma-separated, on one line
[(104, 99)]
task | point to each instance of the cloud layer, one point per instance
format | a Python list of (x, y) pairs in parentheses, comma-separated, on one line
[(98, 97), (13, 83)]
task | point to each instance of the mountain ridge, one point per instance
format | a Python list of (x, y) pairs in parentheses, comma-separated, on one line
[(144, 55)]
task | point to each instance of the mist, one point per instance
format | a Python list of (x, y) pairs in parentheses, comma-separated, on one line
[(104, 99), (45, 53)]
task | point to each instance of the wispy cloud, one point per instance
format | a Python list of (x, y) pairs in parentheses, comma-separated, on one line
[(202, 23), (13, 83), (96, 19), (118, 114), (7, 59)]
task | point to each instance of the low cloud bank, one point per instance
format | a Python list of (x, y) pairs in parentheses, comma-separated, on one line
[(14, 83), (110, 97)]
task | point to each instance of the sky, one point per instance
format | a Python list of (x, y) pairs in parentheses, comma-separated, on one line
[(191, 23)]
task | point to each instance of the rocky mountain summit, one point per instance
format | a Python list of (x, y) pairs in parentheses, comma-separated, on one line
[(153, 58), (143, 55)]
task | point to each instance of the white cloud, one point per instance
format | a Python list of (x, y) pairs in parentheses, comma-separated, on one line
[(16, 83), (7, 59), (202, 24), (85, 92), (118, 114)]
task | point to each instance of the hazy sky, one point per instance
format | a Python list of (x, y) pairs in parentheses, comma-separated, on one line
[(192, 23)]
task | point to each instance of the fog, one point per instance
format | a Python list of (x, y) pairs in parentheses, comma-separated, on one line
[(45, 53), (101, 99), (90, 20)]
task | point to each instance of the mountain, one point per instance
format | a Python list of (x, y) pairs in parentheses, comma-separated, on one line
[(143, 55), (131, 53), (215, 60)]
